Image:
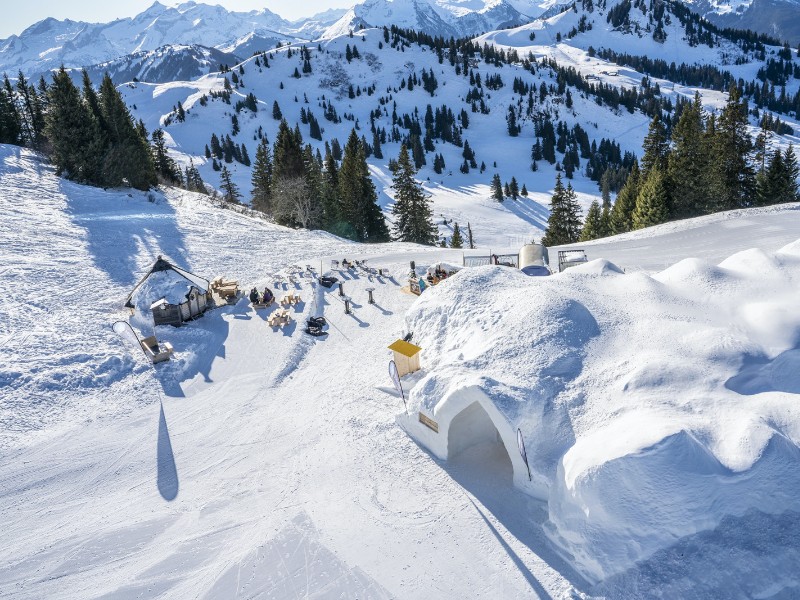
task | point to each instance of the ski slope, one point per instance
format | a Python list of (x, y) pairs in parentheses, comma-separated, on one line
[(267, 463)]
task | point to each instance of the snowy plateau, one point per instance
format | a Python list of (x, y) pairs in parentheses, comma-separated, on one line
[(656, 387)]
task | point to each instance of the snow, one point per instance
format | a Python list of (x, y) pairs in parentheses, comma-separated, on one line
[(658, 407), (651, 404)]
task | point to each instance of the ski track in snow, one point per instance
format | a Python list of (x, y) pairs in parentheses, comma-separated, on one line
[(259, 462)]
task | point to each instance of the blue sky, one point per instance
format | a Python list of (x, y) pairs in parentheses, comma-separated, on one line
[(28, 12)]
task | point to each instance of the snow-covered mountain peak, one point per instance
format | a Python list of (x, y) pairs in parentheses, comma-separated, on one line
[(445, 18)]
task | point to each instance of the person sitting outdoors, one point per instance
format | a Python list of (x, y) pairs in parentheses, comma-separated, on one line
[(254, 296), (268, 296)]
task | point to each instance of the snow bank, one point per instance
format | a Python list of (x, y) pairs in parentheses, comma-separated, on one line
[(652, 407)]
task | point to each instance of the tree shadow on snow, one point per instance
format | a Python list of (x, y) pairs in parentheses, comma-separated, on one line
[(121, 225), (529, 211), (167, 472)]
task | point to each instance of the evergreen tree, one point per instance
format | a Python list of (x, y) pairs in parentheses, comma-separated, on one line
[(128, 157), (625, 204), (165, 167), (593, 226), (524, 191), (497, 188), (511, 121), (792, 170), (455, 239), (655, 147), (732, 180), (194, 182), (470, 238), (74, 134), (651, 204), (261, 178), (276, 111), (331, 211), (412, 209), (688, 163), (778, 183), (31, 112), (358, 197), (287, 159), (10, 128), (230, 191), (513, 188), (564, 223), (310, 213)]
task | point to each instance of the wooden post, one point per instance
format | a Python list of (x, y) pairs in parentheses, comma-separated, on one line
[(347, 310), (369, 291), (341, 289)]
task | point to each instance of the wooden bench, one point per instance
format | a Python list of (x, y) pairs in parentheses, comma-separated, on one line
[(279, 318), (289, 299)]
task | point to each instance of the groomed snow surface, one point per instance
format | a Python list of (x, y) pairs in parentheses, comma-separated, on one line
[(659, 412)]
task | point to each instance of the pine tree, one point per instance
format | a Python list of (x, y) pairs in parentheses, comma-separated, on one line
[(276, 111), (651, 205), (732, 180), (497, 188), (412, 205), (778, 183), (455, 239), (513, 188), (524, 191), (564, 223), (511, 121), (792, 170), (31, 112), (331, 209), (655, 147), (687, 166), (261, 178), (10, 128), (358, 197), (75, 137), (593, 226), (194, 182), (309, 212), (128, 157), (287, 161), (625, 204), (230, 191), (165, 167)]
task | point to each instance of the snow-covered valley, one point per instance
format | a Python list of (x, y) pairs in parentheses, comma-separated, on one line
[(659, 413)]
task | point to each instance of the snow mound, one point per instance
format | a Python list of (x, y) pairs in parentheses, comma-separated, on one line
[(652, 407)]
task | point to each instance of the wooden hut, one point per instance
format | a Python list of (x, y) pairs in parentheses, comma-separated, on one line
[(406, 357), (174, 295)]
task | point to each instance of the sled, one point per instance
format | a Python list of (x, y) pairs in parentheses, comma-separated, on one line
[(261, 305), (156, 351)]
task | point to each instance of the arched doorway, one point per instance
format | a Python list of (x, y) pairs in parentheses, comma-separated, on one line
[(476, 450)]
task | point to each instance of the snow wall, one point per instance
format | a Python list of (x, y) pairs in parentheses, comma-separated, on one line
[(652, 407)]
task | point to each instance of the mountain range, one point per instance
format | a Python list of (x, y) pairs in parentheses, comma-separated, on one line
[(50, 43)]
